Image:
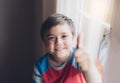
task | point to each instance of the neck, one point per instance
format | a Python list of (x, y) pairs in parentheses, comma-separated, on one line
[(57, 62)]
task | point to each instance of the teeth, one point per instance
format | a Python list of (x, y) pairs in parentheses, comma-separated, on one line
[(59, 49)]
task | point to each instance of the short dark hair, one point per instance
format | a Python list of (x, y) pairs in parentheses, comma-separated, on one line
[(54, 20)]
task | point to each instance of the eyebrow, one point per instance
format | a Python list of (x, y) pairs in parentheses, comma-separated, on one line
[(63, 33), (49, 35)]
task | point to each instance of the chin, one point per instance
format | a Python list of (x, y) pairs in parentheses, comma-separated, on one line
[(61, 55)]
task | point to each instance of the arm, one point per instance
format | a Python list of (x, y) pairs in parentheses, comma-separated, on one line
[(88, 67), (36, 76), (86, 64), (92, 75)]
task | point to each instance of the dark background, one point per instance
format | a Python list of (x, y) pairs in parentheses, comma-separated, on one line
[(20, 21)]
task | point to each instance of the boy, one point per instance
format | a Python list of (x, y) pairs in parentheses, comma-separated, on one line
[(62, 63)]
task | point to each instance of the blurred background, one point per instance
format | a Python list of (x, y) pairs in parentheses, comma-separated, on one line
[(21, 46), (19, 31)]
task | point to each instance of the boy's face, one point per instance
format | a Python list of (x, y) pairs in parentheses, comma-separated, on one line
[(59, 41)]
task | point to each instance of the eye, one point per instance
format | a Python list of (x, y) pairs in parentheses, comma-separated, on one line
[(64, 36), (51, 38)]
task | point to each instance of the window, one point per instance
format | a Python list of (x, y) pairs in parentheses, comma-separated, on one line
[(93, 19)]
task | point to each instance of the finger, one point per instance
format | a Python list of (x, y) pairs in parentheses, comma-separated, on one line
[(81, 56)]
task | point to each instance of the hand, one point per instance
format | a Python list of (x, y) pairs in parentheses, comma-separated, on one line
[(85, 62), (82, 57)]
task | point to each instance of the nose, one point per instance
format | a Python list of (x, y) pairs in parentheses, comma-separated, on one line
[(58, 41)]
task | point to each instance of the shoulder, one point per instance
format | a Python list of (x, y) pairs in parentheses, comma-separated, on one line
[(42, 64)]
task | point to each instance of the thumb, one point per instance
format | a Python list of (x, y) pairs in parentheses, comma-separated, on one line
[(78, 41)]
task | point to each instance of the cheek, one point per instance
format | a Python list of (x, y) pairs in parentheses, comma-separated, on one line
[(50, 46), (69, 43)]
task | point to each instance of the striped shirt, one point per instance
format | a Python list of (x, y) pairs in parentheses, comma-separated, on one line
[(69, 72)]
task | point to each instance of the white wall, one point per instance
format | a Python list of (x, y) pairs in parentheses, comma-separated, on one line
[(112, 71)]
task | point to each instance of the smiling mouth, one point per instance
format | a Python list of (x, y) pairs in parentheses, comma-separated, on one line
[(59, 49)]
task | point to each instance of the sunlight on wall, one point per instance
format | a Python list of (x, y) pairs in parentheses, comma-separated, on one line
[(91, 17)]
